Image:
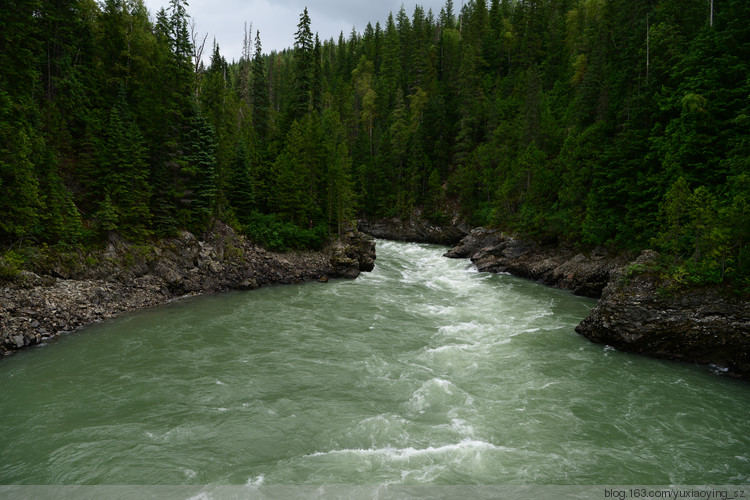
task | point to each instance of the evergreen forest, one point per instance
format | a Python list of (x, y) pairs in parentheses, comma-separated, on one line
[(623, 123)]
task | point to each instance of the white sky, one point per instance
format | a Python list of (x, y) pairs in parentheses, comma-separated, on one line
[(277, 20)]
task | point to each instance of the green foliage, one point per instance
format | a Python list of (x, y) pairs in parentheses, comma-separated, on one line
[(260, 108), (198, 196), (275, 234), (304, 69), (591, 121), (636, 269), (293, 171), (240, 190), (106, 216), (11, 263)]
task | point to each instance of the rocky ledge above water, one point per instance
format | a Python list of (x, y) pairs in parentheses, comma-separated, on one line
[(122, 277), (638, 314), (584, 273), (635, 314)]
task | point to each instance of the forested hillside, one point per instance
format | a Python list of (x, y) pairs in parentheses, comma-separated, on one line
[(618, 122)]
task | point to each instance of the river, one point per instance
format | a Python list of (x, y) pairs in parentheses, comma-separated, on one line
[(421, 372)]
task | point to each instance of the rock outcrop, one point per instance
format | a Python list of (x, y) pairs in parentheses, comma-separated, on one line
[(636, 311), (353, 254), (84, 289), (416, 229), (584, 273), (708, 325)]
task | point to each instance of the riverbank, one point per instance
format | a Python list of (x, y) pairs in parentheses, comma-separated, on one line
[(637, 311), (423, 372), (583, 273), (708, 326), (87, 288)]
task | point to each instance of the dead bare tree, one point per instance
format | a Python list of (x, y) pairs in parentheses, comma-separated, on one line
[(198, 47), (244, 65)]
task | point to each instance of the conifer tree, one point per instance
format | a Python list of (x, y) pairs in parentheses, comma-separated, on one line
[(303, 68), (198, 174), (337, 163), (447, 15), (588, 120), (123, 172), (290, 196), (240, 191), (390, 69), (316, 84), (260, 111)]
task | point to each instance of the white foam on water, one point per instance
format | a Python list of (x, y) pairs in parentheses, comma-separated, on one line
[(378, 430), (201, 496), (439, 310), (256, 481), (466, 445), (459, 426), (420, 383), (462, 426), (471, 331), (437, 395), (449, 348)]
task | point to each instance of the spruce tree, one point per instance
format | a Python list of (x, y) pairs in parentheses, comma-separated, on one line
[(260, 111), (303, 69), (122, 170), (316, 84), (240, 190), (198, 195)]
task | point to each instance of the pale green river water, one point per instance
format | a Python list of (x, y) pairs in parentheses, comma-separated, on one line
[(421, 372)]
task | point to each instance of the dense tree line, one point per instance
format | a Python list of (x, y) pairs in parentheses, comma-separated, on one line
[(613, 122)]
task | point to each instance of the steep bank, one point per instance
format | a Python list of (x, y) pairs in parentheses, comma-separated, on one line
[(85, 289), (707, 326)]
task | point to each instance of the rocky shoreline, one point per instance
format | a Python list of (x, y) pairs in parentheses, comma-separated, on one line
[(585, 274), (122, 277), (708, 326)]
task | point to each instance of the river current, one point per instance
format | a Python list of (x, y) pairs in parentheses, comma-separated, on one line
[(421, 372)]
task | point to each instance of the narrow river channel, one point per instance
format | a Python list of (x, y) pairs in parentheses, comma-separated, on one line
[(421, 372)]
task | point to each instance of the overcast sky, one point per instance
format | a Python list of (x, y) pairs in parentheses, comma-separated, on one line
[(277, 19)]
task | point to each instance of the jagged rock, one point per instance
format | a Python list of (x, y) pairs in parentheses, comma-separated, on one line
[(475, 241), (495, 251), (362, 246), (247, 284), (636, 314), (124, 277), (354, 253), (344, 266)]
